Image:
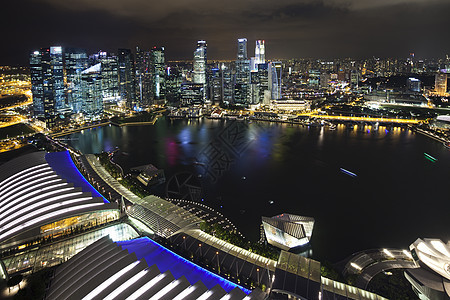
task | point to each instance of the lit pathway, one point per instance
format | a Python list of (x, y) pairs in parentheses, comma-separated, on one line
[(111, 181)]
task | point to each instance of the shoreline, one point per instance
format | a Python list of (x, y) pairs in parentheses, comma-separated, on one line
[(109, 122)]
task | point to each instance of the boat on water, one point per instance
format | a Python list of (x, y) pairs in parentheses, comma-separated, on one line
[(333, 127), (347, 172), (429, 157)]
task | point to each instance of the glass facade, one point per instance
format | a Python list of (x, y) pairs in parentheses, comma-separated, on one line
[(242, 93), (76, 61), (56, 253), (126, 77), (91, 88), (47, 79), (158, 68)]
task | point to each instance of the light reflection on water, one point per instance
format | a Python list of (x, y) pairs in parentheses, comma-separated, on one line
[(396, 197)]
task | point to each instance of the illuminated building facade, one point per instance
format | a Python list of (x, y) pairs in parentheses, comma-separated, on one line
[(242, 94), (91, 90), (288, 231), (216, 86), (263, 83), (260, 52), (440, 84), (192, 94), (143, 78), (228, 83), (110, 77), (126, 77), (43, 195), (275, 72), (158, 68), (199, 76), (47, 80), (76, 61), (173, 80), (413, 84)]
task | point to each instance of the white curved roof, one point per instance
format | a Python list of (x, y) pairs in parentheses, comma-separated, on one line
[(40, 188), (435, 254), (107, 270), (445, 118)]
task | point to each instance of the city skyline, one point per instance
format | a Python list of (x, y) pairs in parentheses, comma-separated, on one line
[(292, 29)]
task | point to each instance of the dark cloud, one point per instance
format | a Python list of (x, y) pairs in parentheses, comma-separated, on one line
[(291, 28)]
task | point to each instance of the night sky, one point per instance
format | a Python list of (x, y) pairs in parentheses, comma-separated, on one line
[(291, 28)]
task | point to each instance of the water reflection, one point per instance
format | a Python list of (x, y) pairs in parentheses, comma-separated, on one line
[(298, 169)]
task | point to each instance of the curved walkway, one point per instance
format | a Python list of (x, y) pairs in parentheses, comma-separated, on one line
[(111, 181), (366, 264)]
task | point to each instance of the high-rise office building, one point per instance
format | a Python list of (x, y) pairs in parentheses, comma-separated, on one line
[(37, 84), (275, 71), (200, 63), (76, 60), (216, 86), (199, 76), (47, 79), (143, 78), (174, 79), (91, 88), (158, 69), (263, 83), (259, 76), (242, 93), (242, 49), (110, 77), (228, 83), (192, 94), (126, 77), (440, 84)]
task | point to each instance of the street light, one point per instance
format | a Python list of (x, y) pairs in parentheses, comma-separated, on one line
[(218, 264)]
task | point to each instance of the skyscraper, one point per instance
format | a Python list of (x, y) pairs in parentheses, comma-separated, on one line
[(126, 77), (216, 86), (200, 66), (228, 83), (47, 79), (440, 84), (174, 79), (110, 77), (260, 52), (91, 88), (263, 83), (259, 75), (143, 78), (242, 49), (37, 85), (242, 82), (158, 68), (275, 71), (76, 61), (200, 63)]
